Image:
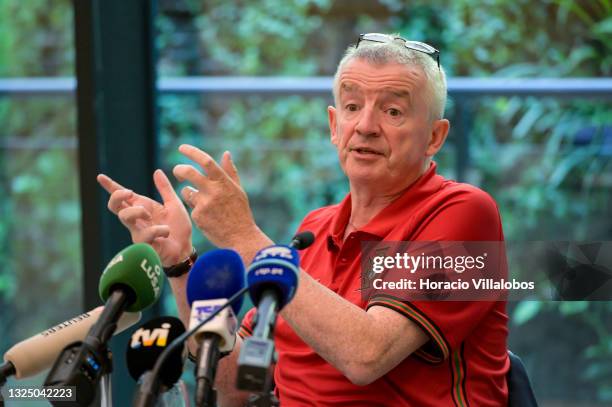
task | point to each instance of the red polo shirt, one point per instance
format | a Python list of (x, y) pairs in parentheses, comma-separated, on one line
[(465, 361)]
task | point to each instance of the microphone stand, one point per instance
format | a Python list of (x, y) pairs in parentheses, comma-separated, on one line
[(205, 371), (106, 391), (258, 355), (267, 399), (148, 391), (82, 364), (260, 366), (7, 369)]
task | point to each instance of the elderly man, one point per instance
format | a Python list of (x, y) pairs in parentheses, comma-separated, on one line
[(336, 347)]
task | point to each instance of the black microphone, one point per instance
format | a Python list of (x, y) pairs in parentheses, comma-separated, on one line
[(302, 240), (132, 281), (148, 342)]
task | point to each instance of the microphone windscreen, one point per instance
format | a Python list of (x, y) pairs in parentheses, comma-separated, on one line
[(137, 268), (33, 355), (148, 342), (274, 268), (303, 240), (217, 274)]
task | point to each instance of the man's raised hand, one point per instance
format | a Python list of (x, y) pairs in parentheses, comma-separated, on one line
[(166, 226), (220, 207)]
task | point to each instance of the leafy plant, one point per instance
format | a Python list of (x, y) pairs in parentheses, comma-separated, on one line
[(40, 212)]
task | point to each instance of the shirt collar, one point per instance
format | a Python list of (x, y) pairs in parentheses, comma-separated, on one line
[(380, 226)]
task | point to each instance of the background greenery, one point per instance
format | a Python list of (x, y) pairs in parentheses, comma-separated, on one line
[(40, 212), (545, 160)]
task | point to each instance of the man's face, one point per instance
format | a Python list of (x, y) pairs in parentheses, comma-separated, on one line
[(381, 125)]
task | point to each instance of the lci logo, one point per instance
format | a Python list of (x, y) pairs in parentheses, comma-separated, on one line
[(205, 310), (150, 337)]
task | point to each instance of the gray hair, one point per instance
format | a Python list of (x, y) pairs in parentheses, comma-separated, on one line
[(379, 53)]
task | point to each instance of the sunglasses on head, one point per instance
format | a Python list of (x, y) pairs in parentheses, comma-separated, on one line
[(413, 45)]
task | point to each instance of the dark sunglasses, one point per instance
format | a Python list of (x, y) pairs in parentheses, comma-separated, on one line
[(414, 45)]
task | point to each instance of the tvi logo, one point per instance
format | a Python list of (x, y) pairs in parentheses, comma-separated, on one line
[(150, 337)]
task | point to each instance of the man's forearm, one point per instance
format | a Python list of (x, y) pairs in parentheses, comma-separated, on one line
[(178, 286), (362, 345), (249, 244), (179, 290), (225, 383), (329, 324), (316, 309)]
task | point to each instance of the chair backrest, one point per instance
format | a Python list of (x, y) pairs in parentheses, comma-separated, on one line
[(520, 393)]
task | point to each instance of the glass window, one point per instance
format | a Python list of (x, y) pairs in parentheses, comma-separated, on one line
[(40, 215)]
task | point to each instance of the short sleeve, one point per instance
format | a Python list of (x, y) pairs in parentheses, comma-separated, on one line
[(471, 215), (246, 326), (447, 323)]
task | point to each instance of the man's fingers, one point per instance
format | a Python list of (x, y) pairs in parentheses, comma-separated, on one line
[(228, 166), (184, 172), (118, 200), (164, 187), (189, 195), (129, 216), (108, 184), (213, 171), (149, 234)]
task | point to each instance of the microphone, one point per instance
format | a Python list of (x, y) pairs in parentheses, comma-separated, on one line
[(37, 353), (132, 281), (302, 240), (217, 274), (148, 342), (214, 278), (272, 280)]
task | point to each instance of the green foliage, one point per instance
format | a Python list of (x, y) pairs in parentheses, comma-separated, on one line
[(520, 38), (40, 215), (525, 311), (591, 321), (36, 39), (253, 39)]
